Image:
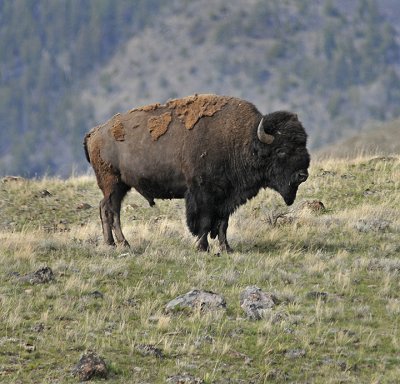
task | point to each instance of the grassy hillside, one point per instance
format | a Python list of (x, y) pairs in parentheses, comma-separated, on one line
[(335, 274), (381, 139)]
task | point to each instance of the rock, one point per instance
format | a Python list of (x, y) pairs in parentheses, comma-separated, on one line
[(386, 159), (184, 379), (287, 216), (295, 353), (372, 225), (197, 300), (38, 328), (96, 295), (29, 347), (83, 206), (90, 366), (150, 350), (45, 193), (255, 302), (340, 363), (41, 276), (310, 205), (327, 173), (7, 179)]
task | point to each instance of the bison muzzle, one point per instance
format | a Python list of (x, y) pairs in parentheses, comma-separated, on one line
[(216, 152)]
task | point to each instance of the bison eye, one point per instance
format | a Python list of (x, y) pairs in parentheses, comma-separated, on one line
[(280, 153)]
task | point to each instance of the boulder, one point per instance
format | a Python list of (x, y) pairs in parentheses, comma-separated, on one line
[(90, 366), (197, 300), (255, 302)]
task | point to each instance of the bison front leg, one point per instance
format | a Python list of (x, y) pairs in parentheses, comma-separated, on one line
[(204, 229), (198, 217), (223, 242)]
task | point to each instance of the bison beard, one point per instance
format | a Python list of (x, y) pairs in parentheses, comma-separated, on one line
[(217, 152)]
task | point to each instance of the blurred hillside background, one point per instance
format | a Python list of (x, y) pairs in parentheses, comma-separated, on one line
[(67, 65)]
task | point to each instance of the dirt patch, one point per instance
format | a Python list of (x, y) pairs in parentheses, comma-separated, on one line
[(146, 108), (117, 129), (191, 109), (158, 125)]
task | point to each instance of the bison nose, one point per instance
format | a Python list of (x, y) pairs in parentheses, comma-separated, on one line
[(302, 176)]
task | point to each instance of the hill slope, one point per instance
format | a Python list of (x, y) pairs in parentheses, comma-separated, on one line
[(317, 59), (334, 276), (380, 140)]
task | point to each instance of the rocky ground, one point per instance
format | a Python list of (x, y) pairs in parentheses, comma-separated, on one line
[(311, 293)]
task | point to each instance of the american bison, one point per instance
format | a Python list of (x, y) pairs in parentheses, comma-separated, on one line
[(216, 152)]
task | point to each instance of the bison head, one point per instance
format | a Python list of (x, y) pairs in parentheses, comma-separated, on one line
[(281, 146)]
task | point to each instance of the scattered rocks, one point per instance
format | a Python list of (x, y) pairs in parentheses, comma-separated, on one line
[(184, 379), (255, 302), (197, 300), (150, 350), (295, 353), (90, 366), (41, 276), (372, 225)]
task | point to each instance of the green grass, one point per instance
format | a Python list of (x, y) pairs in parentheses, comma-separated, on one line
[(350, 336)]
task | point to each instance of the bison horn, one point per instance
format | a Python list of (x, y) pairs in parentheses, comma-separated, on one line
[(262, 136)]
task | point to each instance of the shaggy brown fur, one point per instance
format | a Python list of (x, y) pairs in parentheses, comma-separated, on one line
[(158, 125)]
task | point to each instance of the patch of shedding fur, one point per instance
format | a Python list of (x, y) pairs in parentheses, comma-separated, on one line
[(158, 125), (192, 108), (117, 129), (146, 108)]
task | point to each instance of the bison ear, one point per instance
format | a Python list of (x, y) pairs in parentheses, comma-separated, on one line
[(262, 135)]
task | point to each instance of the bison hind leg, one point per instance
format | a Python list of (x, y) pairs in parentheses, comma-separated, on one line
[(110, 209), (199, 217)]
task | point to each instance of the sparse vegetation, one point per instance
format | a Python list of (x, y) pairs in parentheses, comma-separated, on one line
[(335, 274)]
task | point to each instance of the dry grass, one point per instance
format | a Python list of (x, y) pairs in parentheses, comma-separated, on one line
[(112, 300)]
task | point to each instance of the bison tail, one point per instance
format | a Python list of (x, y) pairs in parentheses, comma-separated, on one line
[(86, 148)]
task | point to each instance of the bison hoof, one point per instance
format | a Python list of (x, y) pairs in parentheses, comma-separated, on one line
[(225, 248), (203, 247), (124, 244)]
